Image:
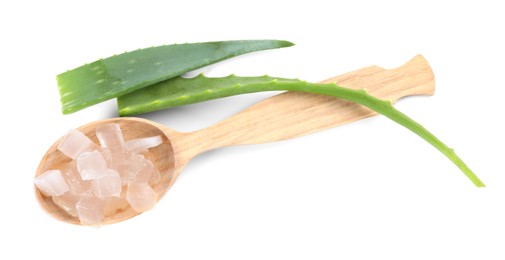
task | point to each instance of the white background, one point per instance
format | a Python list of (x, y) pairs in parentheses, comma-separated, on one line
[(369, 190)]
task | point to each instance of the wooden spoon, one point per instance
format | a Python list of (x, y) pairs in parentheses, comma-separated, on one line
[(285, 116)]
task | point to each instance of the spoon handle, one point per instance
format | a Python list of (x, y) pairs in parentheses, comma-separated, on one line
[(293, 114)]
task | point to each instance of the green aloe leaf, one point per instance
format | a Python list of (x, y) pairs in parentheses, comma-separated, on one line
[(182, 91), (120, 74)]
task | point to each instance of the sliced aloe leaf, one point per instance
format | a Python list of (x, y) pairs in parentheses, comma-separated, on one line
[(181, 91), (120, 74)]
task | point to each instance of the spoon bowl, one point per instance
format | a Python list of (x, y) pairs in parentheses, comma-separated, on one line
[(162, 157), (281, 117)]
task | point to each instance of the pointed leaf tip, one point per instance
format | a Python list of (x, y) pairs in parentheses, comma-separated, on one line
[(285, 43)]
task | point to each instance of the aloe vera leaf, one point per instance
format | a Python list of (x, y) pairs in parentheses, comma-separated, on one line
[(181, 91), (120, 74)]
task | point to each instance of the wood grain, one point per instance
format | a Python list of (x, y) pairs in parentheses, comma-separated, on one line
[(293, 114)]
